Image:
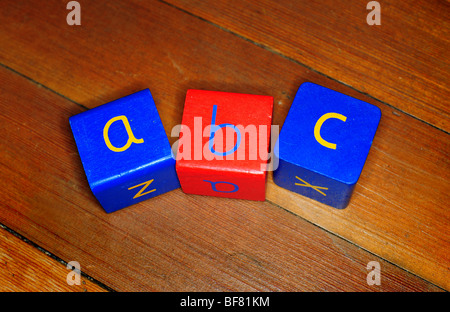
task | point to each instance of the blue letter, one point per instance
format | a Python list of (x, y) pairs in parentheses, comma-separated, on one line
[(214, 128), (213, 185)]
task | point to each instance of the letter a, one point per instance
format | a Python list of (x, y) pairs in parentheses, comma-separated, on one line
[(131, 138), (374, 17), (145, 185), (74, 16), (73, 277), (374, 276)]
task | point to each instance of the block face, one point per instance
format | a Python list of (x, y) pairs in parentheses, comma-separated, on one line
[(229, 184), (224, 143), (157, 179), (122, 144), (313, 185), (326, 137)]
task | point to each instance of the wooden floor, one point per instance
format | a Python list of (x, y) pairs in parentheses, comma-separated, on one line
[(399, 213)]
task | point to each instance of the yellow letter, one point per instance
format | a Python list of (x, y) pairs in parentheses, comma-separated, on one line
[(146, 184), (319, 125), (131, 138), (317, 188)]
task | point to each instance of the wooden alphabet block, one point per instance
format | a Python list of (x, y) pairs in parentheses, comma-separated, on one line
[(224, 143), (324, 143), (124, 150)]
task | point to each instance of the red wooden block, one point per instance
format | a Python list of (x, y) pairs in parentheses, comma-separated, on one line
[(224, 144)]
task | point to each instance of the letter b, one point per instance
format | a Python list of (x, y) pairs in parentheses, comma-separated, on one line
[(214, 128)]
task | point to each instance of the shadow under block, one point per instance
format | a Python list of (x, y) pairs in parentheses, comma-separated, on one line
[(324, 143), (224, 143), (125, 152)]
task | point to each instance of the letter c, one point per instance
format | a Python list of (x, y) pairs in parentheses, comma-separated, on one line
[(319, 125), (131, 138)]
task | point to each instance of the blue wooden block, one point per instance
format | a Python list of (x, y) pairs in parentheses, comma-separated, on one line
[(324, 143), (125, 152)]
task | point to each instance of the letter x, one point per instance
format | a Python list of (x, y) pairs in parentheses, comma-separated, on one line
[(317, 188)]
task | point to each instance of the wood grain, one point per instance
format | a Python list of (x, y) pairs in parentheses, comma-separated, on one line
[(25, 268), (174, 242), (180, 242), (403, 62)]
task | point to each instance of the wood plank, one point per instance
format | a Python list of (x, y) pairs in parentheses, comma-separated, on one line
[(174, 242), (402, 193), (25, 268), (403, 62), (385, 217)]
